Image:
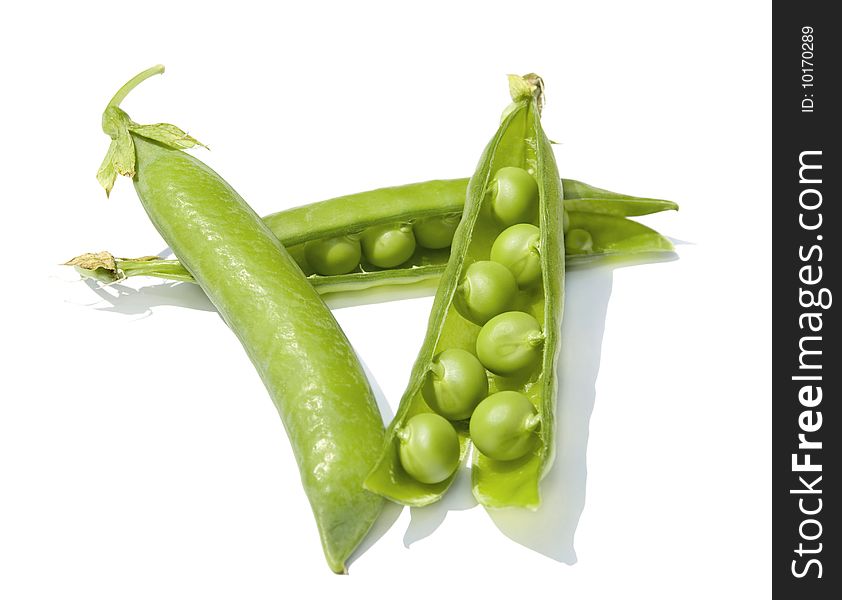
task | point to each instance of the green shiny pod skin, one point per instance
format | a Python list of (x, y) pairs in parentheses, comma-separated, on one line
[(356, 212), (519, 141), (304, 359), (301, 354)]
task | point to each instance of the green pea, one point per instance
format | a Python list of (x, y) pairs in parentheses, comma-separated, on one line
[(503, 426), (429, 448), (436, 232), (455, 384), (486, 290), (333, 256), (578, 241), (387, 246), (565, 227), (514, 196), (510, 342), (518, 249)]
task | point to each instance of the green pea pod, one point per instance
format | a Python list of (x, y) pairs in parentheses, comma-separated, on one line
[(429, 198), (301, 354), (621, 236), (582, 197), (614, 236), (354, 213), (519, 143)]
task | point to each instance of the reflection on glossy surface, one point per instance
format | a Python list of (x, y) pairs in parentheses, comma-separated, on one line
[(426, 519), (550, 530), (129, 301)]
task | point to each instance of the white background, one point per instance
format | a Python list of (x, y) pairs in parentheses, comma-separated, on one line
[(140, 456)]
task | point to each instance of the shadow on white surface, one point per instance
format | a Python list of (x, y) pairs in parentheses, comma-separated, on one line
[(426, 519), (617, 261), (141, 302), (384, 522), (129, 301), (550, 530)]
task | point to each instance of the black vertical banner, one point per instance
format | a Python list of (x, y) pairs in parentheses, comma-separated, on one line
[(807, 362)]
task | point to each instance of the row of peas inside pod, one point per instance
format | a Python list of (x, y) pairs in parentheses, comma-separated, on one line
[(382, 246), (502, 425), (391, 245)]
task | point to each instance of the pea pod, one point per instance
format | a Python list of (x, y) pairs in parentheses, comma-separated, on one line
[(302, 356), (518, 348), (331, 219), (612, 236), (414, 201), (581, 197)]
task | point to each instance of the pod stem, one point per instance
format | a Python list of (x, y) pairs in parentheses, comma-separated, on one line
[(107, 268), (133, 83), (531, 422), (525, 87), (538, 89), (535, 339), (437, 370), (121, 158)]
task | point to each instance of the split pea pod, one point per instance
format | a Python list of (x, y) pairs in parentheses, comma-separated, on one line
[(486, 369), (302, 356), (417, 223), (430, 207)]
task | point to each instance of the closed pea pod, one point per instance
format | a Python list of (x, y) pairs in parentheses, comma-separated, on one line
[(528, 324), (316, 383)]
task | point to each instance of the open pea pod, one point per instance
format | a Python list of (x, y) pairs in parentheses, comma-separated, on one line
[(498, 305), (582, 197), (592, 236), (437, 202), (612, 237)]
